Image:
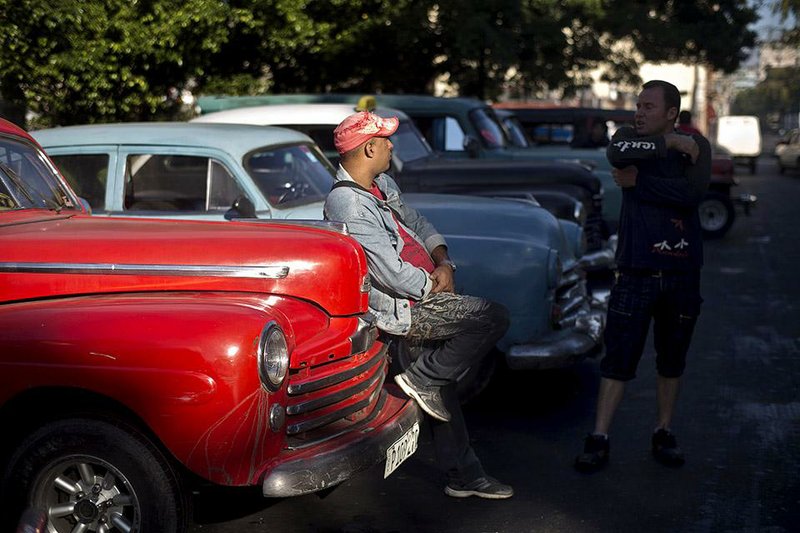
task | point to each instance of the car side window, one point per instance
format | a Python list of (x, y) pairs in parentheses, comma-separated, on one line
[(453, 135), (442, 133), (156, 182), (87, 174)]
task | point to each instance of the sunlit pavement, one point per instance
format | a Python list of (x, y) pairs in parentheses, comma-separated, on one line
[(738, 422)]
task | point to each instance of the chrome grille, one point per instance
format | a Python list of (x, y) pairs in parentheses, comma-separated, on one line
[(572, 297), (332, 398)]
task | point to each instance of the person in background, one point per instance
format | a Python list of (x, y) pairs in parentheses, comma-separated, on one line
[(663, 175), (412, 295), (685, 123)]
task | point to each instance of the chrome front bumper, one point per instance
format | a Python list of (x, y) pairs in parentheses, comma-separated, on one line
[(328, 465), (562, 347)]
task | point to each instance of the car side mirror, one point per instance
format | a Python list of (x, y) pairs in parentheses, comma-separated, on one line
[(242, 208), (472, 146)]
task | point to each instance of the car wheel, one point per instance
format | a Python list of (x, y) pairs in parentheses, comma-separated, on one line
[(94, 475), (716, 215)]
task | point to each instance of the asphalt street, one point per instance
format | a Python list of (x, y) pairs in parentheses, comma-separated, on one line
[(738, 422)]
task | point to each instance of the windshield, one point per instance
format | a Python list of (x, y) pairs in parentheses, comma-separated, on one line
[(290, 175), (409, 144), (28, 180), (489, 127)]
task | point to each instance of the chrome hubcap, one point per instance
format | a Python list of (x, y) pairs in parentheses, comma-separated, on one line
[(86, 494)]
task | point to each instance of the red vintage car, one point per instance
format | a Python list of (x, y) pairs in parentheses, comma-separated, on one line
[(140, 357)]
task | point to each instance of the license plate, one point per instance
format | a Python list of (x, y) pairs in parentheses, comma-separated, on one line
[(401, 450)]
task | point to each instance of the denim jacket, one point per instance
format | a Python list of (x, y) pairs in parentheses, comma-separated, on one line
[(370, 221)]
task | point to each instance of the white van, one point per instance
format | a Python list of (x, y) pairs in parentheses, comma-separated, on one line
[(741, 136)]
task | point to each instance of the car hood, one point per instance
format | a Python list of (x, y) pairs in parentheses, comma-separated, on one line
[(45, 254), (501, 172), (518, 220)]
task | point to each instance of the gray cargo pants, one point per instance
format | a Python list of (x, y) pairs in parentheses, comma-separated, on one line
[(449, 333)]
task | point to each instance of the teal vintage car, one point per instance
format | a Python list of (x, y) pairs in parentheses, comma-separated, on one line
[(511, 251)]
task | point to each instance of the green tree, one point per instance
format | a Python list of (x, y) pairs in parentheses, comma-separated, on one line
[(326, 45), (777, 95), (75, 61), (711, 32), (789, 10)]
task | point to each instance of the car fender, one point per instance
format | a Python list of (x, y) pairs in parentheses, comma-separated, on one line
[(184, 363)]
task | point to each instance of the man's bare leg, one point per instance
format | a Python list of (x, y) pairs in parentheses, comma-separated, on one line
[(667, 397), (608, 398), (596, 446)]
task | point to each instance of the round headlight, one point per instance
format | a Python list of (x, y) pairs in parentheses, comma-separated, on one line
[(273, 357)]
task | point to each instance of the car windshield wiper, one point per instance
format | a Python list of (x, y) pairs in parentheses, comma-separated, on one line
[(12, 175)]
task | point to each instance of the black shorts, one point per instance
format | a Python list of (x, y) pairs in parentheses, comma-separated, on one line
[(672, 299)]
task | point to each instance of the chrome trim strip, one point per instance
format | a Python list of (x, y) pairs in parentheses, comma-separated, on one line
[(338, 227), (314, 423), (260, 272), (330, 399), (315, 384)]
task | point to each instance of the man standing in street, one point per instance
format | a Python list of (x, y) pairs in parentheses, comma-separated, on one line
[(663, 175), (412, 295)]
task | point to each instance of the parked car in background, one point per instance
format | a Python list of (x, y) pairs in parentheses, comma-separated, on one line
[(717, 210), (511, 251), (783, 142), (740, 135), (550, 138), (141, 358), (789, 154), (576, 127)]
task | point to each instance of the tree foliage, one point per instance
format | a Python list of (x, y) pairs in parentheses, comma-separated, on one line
[(101, 60), (776, 94), (789, 9), (104, 60)]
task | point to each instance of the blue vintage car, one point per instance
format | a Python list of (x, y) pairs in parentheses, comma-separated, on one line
[(509, 250)]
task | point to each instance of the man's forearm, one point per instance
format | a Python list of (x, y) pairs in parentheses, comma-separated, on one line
[(627, 149), (439, 255)]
